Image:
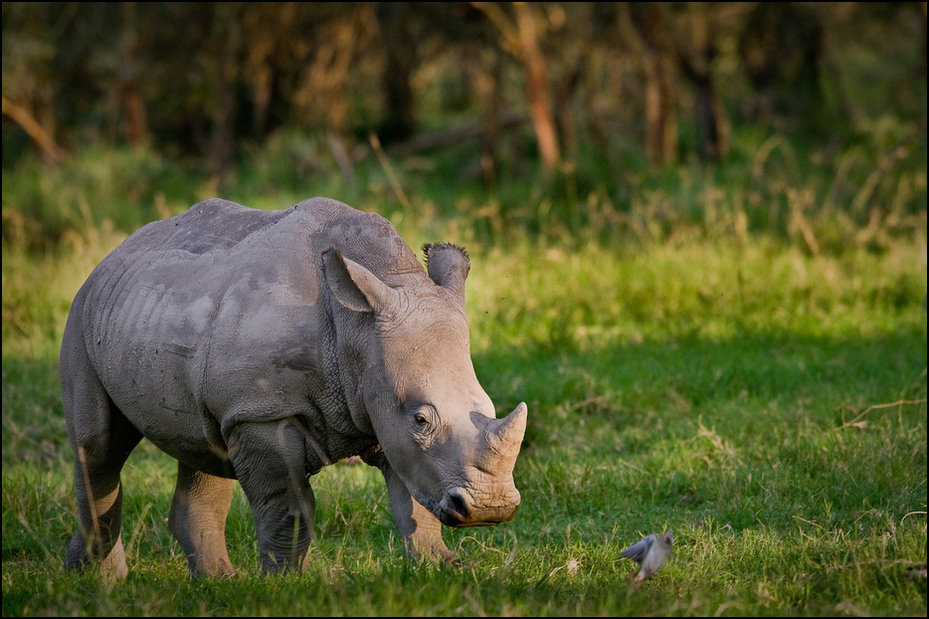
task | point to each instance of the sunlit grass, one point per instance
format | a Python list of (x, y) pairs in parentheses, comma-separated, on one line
[(766, 405), (761, 395)]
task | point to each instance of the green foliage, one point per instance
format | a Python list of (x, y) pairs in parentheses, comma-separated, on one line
[(109, 189)]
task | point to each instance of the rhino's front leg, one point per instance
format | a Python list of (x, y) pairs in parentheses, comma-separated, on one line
[(270, 462), (420, 530), (198, 520)]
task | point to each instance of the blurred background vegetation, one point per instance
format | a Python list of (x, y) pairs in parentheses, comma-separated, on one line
[(559, 119), (698, 240)]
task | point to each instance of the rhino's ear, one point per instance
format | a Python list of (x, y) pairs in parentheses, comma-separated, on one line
[(448, 266), (354, 286)]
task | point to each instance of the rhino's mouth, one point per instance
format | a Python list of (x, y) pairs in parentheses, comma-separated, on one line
[(454, 510)]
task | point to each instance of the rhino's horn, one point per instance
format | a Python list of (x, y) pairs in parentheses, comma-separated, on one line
[(504, 436)]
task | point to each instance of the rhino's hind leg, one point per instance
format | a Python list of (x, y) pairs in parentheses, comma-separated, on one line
[(98, 460), (270, 461), (198, 520), (97, 540)]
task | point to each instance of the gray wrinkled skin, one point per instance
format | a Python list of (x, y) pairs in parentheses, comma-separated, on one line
[(263, 345)]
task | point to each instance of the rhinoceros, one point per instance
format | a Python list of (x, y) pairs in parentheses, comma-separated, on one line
[(261, 346)]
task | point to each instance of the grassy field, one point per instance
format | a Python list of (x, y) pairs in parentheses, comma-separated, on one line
[(763, 396)]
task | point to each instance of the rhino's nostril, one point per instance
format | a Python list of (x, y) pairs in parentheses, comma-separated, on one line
[(456, 506)]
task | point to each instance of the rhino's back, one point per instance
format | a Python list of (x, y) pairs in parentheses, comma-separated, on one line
[(221, 240), (206, 226), (221, 270), (189, 314), (217, 225)]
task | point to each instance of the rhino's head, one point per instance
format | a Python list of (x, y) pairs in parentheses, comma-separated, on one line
[(436, 425)]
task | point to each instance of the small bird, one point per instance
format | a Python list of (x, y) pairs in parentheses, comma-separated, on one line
[(650, 553)]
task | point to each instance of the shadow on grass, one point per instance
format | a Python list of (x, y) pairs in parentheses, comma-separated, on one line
[(830, 378), (766, 432)]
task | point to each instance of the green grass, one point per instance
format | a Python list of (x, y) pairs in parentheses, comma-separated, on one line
[(761, 397), (778, 429)]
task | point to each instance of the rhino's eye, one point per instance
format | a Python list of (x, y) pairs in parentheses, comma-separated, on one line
[(424, 418)]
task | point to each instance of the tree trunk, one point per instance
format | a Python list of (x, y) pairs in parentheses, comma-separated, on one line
[(521, 38), (781, 46), (135, 119), (660, 121), (695, 58), (399, 120), (594, 116), (537, 86), (222, 151), (486, 83), (709, 121)]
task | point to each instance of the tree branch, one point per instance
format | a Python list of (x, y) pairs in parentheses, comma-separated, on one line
[(34, 130)]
